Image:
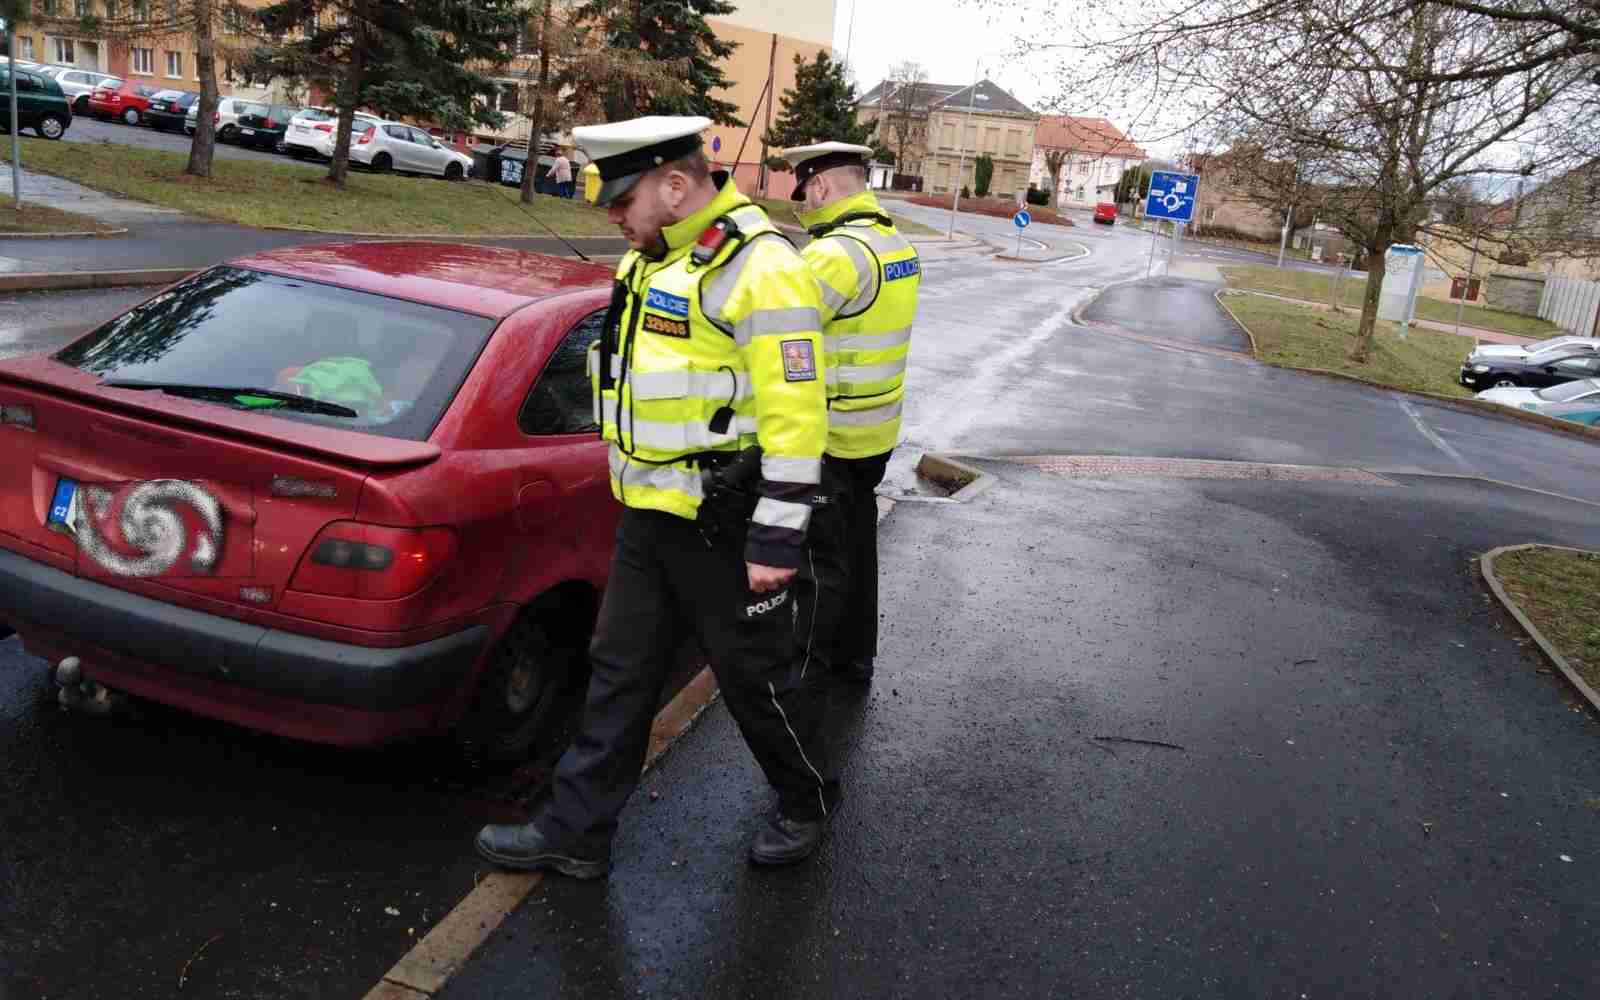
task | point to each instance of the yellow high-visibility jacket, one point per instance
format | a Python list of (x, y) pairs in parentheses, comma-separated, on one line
[(868, 276), (684, 340)]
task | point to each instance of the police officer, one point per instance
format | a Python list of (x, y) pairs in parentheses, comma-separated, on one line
[(868, 277), (712, 346)]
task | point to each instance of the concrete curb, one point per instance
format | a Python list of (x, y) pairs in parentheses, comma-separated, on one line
[(1065, 258), (59, 281), (1486, 564), (948, 470), (63, 236), (1479, 407)]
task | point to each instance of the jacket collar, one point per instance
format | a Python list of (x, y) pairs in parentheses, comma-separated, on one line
[(680, 236), (863, 202)]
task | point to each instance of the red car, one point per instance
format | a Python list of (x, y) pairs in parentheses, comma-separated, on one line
[(1106, 212), (341, 493), (125, 99)]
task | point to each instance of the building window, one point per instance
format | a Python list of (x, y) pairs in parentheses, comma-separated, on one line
[(141, 11), (49, 7), (1211, 215), (81, 7), (175, 65), (1083, 171), (143, 60), (172, 11), (66, 52), (111, 9), (25, 48)]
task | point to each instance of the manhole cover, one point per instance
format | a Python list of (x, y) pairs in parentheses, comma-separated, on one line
[(1112, 466)]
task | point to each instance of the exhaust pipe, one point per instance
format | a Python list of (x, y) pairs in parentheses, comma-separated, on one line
[(91, 697)]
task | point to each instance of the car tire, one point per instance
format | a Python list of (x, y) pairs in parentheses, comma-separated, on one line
[(296, 152), (523, 695), (51, 127), (280, 149), (130, 116), (1507, 382), (225, 133), (382, 163), (453, 172)]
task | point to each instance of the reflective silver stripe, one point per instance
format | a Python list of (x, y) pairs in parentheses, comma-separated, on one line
[(865, 418), (791, 470), (716, 290), (683, 437), (855, 374), (684, 385), (748, 217), (593, 362), (866, 341), (766, 322), (830, 298), (881, 242), (633, 473), (781, 514), (866, 274), (608, 409)]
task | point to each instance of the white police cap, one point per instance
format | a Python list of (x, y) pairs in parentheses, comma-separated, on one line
[(808, 161), (625, 151)]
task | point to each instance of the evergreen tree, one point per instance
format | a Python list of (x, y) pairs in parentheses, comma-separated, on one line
[(666, 30), (982, 174), (415, 58), (820, 107)]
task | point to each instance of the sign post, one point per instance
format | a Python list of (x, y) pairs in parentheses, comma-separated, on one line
[(1021, 221), (16, 142), (1172, 196)]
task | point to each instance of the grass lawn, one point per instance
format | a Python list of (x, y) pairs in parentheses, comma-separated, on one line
[(291, 194), (1560, 592), (41, 219), (1303, 337), (1318, 287)]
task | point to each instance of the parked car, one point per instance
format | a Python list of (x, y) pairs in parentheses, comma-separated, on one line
[(1537, 370), (310, 133), (41, 105), (386, 146), (1563, 343), (298, 492), (226, 118), (1106, 212), (262, 126), (78, 84), (169, 108), (127, 100), (1584, 412), (1585, 391)]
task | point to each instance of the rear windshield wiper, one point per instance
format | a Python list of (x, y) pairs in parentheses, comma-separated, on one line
[(287, 400)]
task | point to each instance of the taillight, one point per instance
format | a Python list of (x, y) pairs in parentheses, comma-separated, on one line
[(270, 124), (324, 127), (371, 562), (366, 136)]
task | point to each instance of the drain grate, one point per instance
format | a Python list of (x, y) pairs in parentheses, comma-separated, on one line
[(1111, 466)]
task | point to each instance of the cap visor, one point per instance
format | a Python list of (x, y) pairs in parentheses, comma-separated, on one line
[(613, 189), (799, 192)]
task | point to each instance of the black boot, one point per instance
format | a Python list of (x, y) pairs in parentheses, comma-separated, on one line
[(525, 848), (787, 841), (855, 671)]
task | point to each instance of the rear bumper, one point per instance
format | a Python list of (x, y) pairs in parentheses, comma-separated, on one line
[(162, 642)]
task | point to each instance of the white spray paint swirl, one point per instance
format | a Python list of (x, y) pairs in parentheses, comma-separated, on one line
[(151, 523)]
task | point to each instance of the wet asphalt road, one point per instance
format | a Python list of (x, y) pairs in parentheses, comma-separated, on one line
[(989, 845)]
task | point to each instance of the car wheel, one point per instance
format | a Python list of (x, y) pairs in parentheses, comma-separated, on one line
[(280, 149), (81, 105), (1506, 383), (225, 134), (131, 116), (51, 127), (382, 163), (522, 695), (453, 172)]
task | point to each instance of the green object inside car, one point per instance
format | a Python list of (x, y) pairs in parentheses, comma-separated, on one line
[(257, 402), (340, 380)]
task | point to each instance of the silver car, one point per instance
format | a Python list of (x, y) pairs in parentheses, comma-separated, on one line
[(78, 84), (406, 149)]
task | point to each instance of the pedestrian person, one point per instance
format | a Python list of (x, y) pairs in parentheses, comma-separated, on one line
[(868, 276), (561, 175), (712, 346)]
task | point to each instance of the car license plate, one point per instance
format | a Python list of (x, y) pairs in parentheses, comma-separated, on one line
[(247, 131), (158, 107), (63, 505)]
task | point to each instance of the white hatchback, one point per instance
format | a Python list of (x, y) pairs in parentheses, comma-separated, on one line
[(386, 146), (227, 117), (1584, 390), (310, 133)]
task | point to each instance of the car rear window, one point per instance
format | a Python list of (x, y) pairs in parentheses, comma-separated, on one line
[(397, 363)]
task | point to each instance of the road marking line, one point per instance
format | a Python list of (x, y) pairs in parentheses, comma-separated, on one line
[(442, 952), (1428, 432)]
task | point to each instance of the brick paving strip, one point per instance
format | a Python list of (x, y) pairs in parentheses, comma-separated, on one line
[(1111, 466)]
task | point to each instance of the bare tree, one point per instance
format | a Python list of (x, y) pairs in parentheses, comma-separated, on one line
[(1382, 103), (1054, 160), (904, 111)]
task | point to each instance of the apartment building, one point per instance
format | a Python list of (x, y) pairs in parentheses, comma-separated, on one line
[(1096, 155), (950, 126)]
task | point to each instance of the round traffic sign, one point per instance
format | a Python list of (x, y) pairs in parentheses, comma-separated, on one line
[(1021, 219), (716, 144)]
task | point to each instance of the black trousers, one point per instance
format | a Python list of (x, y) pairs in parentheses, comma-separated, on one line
[(843, 566), (672, 579)]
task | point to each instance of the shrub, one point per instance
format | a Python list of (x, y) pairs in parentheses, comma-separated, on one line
[(983, 174), (1038, 197), (964, 192)]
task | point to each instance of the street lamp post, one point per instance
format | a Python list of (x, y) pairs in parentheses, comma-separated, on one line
[(961, 163)]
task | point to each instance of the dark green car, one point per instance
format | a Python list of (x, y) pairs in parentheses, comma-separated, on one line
[(41, 105), (262, 125)]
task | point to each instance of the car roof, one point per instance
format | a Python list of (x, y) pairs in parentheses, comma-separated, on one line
[(487, 281)]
